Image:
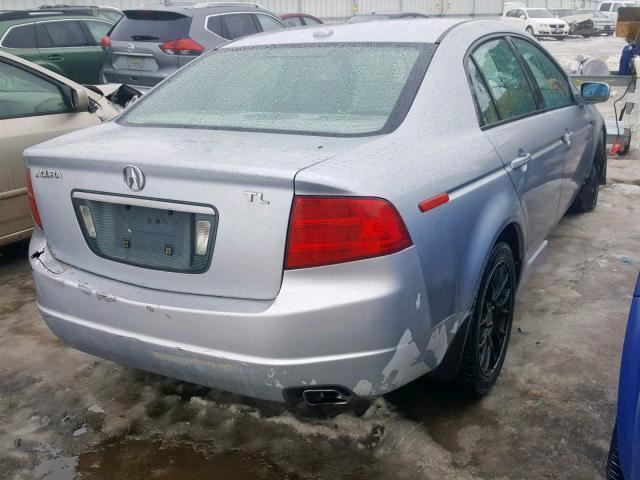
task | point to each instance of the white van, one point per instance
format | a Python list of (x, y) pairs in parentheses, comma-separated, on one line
[(610, 9)]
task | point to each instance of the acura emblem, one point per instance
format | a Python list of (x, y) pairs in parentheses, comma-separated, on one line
[(131, 47), (134, 178)]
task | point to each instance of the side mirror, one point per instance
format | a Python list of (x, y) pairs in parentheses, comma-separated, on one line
[(76, 100), (594, 92), (523, 17)]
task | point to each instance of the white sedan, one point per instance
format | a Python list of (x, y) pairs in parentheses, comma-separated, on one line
[(539, 22)]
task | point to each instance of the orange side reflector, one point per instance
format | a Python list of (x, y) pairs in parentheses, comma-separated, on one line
[(433, 202)]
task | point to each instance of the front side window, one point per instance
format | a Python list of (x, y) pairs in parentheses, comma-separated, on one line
[(21, 36), (556, 91), (293, 21), (268, 23), (482, 97), (67, 33), (338, 89), (605, 7), (237, 25), (24, 94), (311, 21), (505, 78), (98, 29)]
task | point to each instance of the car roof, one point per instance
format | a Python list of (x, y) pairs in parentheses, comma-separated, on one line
[(191, 9), (7, 20), (420, 30)]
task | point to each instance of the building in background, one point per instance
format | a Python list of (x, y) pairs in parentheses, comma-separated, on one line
[(338, 10)]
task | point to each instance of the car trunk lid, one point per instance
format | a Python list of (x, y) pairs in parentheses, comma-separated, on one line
[(241, 182), (136, 39)]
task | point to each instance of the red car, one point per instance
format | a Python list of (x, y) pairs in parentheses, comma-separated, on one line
[(300, 19)]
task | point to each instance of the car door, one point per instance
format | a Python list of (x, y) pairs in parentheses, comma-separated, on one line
[(560, 97), (66, 44), (524, 137), (32, 110), (95, 30)]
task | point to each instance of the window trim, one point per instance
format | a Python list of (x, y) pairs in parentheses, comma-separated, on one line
[(397, 116), (537, 95), (255, 21), (58, 84)]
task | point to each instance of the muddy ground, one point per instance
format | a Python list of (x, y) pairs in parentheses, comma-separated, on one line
[(65, 414)]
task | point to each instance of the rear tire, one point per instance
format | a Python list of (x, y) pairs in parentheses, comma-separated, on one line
[(614, 470), (587, 197), (491, 320)]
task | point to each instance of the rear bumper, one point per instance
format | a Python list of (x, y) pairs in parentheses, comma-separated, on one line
[(363, 326), (134, 77)]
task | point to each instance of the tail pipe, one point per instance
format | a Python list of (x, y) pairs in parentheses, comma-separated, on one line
[(319, 395)]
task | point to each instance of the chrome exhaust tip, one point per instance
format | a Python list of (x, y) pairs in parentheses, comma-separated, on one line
[(326, 396)]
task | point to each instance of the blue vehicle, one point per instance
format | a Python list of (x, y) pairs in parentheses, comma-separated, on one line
[(624, 456)]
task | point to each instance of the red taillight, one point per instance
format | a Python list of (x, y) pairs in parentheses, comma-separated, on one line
[(182, 46), (105, 41), (327, 230), (32, 201)]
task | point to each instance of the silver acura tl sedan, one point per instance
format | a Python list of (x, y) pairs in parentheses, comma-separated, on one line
[(318, 213)]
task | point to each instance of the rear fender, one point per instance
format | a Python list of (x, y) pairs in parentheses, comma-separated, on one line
[(494, 209)]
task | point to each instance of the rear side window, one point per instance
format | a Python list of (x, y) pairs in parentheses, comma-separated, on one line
[(98, 29), (554, 87), (21, 36), (151, 26), (605, 7), (268, 23), (238, 25), (66, 33), (482, 97), (505, 78)]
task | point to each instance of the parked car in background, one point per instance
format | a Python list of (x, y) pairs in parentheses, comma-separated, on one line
[(610, 9), (373, 16), (110, 14), (285, 218), (624, 455), (539, 22), (148, 45), (35, 105), (603, 25), (300, 19), (579, 23), (65, 41)]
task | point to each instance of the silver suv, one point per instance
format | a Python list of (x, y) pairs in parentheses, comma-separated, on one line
[(147, 45)]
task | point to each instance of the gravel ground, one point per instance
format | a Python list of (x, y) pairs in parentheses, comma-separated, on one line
[(65, 414)]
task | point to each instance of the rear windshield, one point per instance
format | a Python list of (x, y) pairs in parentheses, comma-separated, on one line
[(151, 26), (337, 89)]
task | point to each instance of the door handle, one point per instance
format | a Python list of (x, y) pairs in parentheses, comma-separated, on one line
[(55, 58), (521, 161), (566, 138)]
